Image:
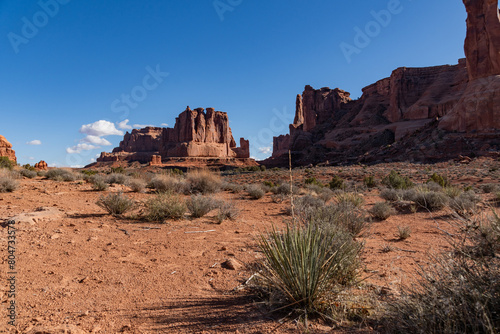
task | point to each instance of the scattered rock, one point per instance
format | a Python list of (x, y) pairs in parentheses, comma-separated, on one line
[(232, 264), (6, 149)]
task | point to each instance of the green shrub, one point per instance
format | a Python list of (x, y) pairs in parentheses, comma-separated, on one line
[(396, 181), (165, 206), (199, 205), (29, 167), (336, 183), (305, 266), (30, 174), (439, 179), (117, 170), (98, 182), (89, 172), (255, 191), (116, 203), (382, 210), (430, 200), (59, 174), (370, 182), (6, 163), (313, 181), (8, 184), (204, 182)]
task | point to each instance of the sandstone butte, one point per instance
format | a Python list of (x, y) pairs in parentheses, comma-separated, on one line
[(196, 135), (417, 114), (6, 149)]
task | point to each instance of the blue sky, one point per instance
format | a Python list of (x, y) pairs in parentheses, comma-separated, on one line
[(72, 71)]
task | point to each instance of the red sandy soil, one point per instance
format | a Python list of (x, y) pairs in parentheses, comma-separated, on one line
[(80, 270)]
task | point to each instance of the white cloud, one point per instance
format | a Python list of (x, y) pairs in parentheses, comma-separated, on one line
[(164, 125), (142, 126), (77, 166), (265, 150), (101, 128), (80, 147), (31, 158), (124, 125), (96, 140), (34, 142)]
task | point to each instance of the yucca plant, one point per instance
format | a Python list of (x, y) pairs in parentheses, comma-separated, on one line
[(304, 264)]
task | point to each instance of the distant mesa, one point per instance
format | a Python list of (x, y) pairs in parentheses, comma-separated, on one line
[(6, 149), (196, 135), (417, 114)]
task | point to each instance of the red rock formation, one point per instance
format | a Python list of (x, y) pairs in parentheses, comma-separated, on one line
[(196, 134), (413, 114), (42, 165), (155, 160), (6, 149)]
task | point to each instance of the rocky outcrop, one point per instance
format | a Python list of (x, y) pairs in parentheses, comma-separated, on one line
[(196, 134), (42, 165), (6, 149), (418, 114)]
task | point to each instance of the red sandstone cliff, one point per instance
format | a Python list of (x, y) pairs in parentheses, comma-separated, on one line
[(6, 149), (415, 114), (196, 134)]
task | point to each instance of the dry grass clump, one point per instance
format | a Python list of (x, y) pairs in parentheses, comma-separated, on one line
[(404, 232), (227, 210), (382, 210), (28, 173), (349, 197), (255, 191), (8, 184), (490, 188), (452, 192), (392, 195), (167, 183), (460, 293), (232, 187), (116, 203), (284, 189), (59, 174), (116, 178), (203, 181), (465, 204), (137, 185), (165, 206), (430, 200), (199, 205), (98, 182)]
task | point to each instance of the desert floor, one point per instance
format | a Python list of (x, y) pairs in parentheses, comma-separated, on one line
[(82, 270)]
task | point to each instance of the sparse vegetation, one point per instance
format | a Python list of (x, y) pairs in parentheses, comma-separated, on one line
[(116, 178), (382, 210), (137, 185), (370, 182), (8, 184), (396, 181), (430, 200), (404, 232), (336, 183), (116, 203), (349, 197), (199, 205), (439, 179), (227, 210), (204, 182), (165, 206), (98, 182), (28, 173), (255, 191), (489, 188), (167, 183), (6, 163), (465, 204), (59, 174)]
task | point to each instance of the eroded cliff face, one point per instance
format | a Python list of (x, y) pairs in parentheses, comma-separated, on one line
[(412, 115), (6, 149), (196, 134)]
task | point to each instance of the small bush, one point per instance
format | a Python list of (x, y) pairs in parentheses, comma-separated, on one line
[(227, 210), (165, 206), (116, 203), (465, 204), (452, 192), (489, 188), (391, 195), (117, 170), (304, 267), (137, 185), (30, 174), (404, 232), (430, 200), (6, 163), (336, 183), (439, 179), (347, 197), (382, 210), (204, 182), (278, 198), (88, 172), (344, 216), (370, 182), (167, 183), (313, 181), (59, 174), (255, 191), (116, 178), (199, 205), (232, 187), (283, 189), (433, 186), (396, 181), (98, 182), (8, 184)]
